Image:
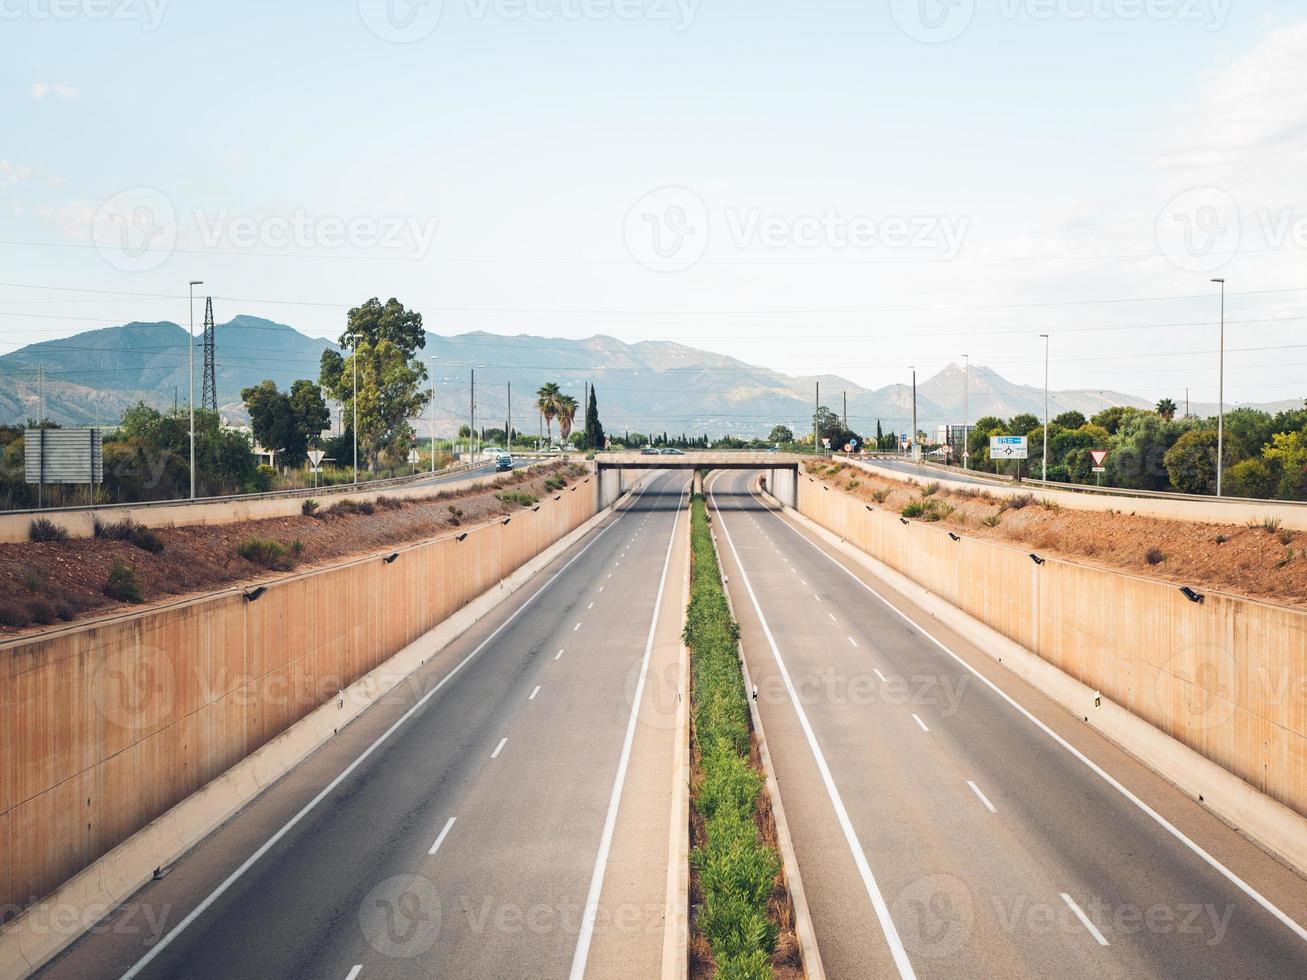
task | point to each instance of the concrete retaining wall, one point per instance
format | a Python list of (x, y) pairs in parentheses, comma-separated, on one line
[(106, 725), (1226, 677)]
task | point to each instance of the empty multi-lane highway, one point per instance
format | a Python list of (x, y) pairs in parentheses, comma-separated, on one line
[(950, 821), (464, 826)]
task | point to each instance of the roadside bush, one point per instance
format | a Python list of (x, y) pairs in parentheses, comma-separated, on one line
[(309, 507), (131, 532), (930, 489), (43, 529), (147, 540), (881, 494), (266, 552), (122, 584), (1154, 556), (1017, 501), (41, 612), (12, 614), (517, 498), (347, 506), (927, 510), (390, 503), (990, 521)]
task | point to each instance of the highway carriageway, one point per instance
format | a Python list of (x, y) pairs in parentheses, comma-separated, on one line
[(951, 821), (488, 819)]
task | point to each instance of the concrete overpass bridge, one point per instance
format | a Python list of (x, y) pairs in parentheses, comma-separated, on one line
[(782, 480)]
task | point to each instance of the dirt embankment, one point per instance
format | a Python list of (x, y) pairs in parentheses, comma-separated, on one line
[(1261, 561), (46, 582)]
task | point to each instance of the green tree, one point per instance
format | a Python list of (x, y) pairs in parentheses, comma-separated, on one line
[(1191, 462), (309, 409), (594, 430), (547, 396), (1020, 425), (780, 433), (1253, 478), (1138, 451), (382, 341), (1288, 452), (1247, 431), (1111, 418), (1069, 420), (566, 406), (271, 418), (1166, 408)]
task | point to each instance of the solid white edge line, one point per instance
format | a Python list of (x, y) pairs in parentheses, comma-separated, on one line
[(1084, 919), (892, 938), (917, 719), (983, 798), (853, 642), (440, 838), (591, 911), (534, 693), (345, 773), (354, 971), (1165, 824), (499, 748), (558, 655)]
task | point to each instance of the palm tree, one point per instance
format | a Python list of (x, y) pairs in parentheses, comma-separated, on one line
[(1166, 409), (547, 402), (566, 406)]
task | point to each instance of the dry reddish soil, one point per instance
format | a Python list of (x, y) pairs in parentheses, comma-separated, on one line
[(45, 582), (1258, 562)]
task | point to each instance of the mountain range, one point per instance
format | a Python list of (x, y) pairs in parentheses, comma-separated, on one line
[(648, 386)]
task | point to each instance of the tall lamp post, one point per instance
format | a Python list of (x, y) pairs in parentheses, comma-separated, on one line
[(1044, 473), (1220, 412), (966, 380), (433, 358), (190, 367), (354, 361), (912, 436)]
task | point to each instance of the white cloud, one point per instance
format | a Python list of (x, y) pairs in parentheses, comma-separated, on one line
[(13, 173), (40, 90)]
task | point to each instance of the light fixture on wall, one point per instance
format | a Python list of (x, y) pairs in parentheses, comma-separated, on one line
[(254, 593), (505, 520), (1191, 595), (955, 537), (535, 508), (904, 520), (461, 536), (391, 557), (1036, 559)]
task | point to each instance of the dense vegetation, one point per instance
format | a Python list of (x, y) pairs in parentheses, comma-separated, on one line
[(1264, 455), (736, 870)]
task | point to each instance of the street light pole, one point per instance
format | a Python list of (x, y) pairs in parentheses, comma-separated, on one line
[(433, 360), (1220, 415), (354, 360), (190, 362), (966, 379), (1044, 474), (912, 436)]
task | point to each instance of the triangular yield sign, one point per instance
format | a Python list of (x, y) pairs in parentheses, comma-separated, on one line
[(1098, 455)]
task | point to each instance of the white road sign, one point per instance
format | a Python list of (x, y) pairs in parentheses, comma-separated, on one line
[(413, 456), (315, 456), (1099, 456), (1008, 447)]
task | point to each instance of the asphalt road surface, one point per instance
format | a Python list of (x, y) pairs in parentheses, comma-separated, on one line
[(465, 843), (949, 828)]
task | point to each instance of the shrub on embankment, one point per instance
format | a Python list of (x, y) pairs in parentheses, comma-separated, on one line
[(736, 872)]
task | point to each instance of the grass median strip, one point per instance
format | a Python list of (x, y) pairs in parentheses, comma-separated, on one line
[(734, 872)]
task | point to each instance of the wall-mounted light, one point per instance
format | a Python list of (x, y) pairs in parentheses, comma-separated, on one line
[(391, 557), (954, 536), (903, 520), (559, 497), (254, 593), (826, 488), (461, 536), (1036, 559), (505, 520), (572, 489), (868, 506), (535, 508), (1191, 595)]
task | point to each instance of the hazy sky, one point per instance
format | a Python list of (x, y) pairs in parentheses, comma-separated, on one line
[(849, 187)]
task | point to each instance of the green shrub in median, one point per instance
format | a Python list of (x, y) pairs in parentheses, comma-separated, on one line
[(737, 871)]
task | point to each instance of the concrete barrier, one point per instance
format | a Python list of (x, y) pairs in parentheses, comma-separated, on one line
[(108, 724), (1173, 507), (1225, 677), (79, 522)]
